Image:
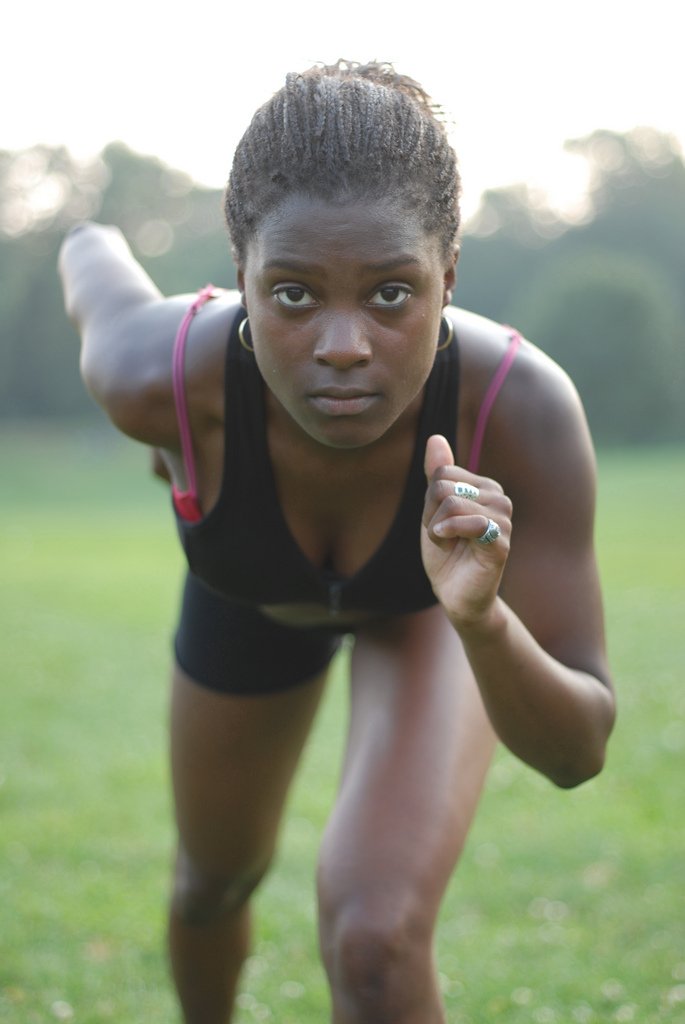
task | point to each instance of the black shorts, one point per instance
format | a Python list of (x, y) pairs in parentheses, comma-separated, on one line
[(236, 649)]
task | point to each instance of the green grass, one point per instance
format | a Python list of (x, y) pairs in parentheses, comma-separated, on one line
[(567, 907)]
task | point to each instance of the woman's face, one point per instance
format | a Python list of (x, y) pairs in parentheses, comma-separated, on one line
[(345, 302)]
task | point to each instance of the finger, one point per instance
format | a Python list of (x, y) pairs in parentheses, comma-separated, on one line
[(438, 454), (464, 527), (455, 497), (448, 516)]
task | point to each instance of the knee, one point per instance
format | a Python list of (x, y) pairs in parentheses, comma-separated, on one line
[(378, 958), (201, 898)]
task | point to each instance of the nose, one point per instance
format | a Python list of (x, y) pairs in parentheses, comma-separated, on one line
[(343, 342)]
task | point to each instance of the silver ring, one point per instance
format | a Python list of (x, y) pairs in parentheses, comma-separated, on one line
[(464, 490), (491, 533)]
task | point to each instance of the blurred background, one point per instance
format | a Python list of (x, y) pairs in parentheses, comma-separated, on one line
[(567, 119)]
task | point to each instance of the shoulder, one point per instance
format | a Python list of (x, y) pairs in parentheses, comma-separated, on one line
[(155, 324), (537, 431), (142, 405), (482, 346)]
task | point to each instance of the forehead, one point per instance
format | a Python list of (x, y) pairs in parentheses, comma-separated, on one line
[(306, 229)]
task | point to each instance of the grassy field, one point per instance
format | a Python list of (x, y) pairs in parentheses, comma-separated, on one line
[(567, 907)]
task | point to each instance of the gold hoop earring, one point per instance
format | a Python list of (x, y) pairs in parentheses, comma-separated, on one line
[(450, 334), (241, 334)]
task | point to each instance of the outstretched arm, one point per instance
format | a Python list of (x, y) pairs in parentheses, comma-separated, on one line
[(100, 276), (127, 331), (110, 300), (527, 607)]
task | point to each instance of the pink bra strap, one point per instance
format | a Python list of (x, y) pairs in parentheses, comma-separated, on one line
[(177, 370), (489, 399)]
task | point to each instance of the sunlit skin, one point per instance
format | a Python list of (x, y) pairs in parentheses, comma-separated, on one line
[(345, 302)]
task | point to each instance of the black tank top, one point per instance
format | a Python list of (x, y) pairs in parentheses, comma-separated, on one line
[(243, 548)]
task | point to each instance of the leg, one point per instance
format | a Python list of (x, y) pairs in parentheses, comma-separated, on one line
[(419, 747), (235, 742), (232, 761)]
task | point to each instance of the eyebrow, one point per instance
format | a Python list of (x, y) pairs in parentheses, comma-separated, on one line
[(300, 266)]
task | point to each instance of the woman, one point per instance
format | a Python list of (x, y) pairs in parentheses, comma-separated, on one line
[(346, 450)]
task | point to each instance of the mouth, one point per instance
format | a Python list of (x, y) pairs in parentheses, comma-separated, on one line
[(342, 401)]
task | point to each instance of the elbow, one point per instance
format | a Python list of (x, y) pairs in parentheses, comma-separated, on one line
[(92, 379), (586, 764), (572, 776), (587, 759), (102, 384), (125, 400)]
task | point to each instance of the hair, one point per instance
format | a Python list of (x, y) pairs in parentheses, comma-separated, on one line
[(342, 132)]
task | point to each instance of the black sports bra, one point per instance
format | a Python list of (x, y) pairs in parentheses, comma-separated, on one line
[(243, 548)]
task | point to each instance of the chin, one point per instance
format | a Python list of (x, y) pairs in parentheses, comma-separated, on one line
[(349, 439)]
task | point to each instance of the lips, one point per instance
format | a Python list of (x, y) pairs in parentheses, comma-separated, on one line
[(342, 401)]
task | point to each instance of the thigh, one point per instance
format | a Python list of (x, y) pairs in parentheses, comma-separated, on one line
[(419, 748), (232, 760), (245, 691)]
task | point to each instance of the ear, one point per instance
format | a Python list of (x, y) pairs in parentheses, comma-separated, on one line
[(450, 279), (241, 286)]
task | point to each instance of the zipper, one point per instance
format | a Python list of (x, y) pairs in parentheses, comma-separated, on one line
[(334, 597)]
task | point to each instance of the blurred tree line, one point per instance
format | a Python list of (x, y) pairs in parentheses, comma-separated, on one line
[(603, 293)]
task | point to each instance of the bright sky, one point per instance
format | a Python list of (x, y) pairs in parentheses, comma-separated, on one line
[(518, 77)]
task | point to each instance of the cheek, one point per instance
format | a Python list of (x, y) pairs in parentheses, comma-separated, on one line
[(426, 338), (275, 356), (271, 362)]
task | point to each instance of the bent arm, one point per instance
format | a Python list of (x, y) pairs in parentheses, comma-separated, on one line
[(554, 717), (536, 642)]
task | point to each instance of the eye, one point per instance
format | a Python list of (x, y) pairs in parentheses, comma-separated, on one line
[(390, 296), (294, 296)]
